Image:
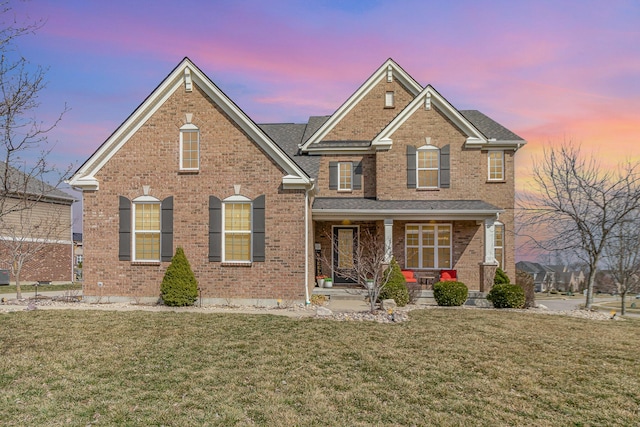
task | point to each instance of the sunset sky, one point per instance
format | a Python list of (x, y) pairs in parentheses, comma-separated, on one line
[(548, 70)]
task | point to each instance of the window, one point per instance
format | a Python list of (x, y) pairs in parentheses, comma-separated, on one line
[(427, 167), (189, 147), (428, 246), (345, 175), (237, 232), (496, 165), (498, 244), (389, 99), (146, 231)]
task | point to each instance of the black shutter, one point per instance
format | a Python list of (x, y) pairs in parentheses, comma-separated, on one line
[(166, 231), (333, 175), (445, 175), (411, 166), (258, 230), (124, 231), (357, 176), (215, 229)]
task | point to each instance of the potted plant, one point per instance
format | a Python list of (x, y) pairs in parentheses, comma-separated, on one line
[(320, 280), (328, 282), (369, 283)]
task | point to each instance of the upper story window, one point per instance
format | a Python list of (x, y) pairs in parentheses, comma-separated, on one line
[(237, 231), (496, 165), (189, 147), (389, 99), (428, 166), (345, 176), (146, 230)]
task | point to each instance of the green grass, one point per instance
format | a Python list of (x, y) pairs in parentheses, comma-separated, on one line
[(11, 289), (447, 367)]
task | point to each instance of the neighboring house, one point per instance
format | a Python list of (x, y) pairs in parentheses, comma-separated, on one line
[(543, 277), (251, 203), (568, 279), (35, 228)]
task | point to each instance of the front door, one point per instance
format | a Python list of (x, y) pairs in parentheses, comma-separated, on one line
[(345, 244)]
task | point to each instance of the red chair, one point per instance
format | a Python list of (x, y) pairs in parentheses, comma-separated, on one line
[(448, 276), (409, 276)]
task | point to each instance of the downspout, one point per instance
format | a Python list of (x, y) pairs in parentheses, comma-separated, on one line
[(306, 247), (306, 242)]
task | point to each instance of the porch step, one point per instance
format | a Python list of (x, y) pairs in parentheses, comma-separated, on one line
[(354, 294)]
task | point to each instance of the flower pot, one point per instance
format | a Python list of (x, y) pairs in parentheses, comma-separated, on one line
[(328, 283), (369, 284), (320, 282)]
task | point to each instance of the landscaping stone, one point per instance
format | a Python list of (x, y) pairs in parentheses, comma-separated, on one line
[(323, 311), (388, 304)]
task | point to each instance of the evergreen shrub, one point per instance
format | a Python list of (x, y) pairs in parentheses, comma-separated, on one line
[(396, 287), (450, 294), (500, 277), (179, 286), (506, 296)]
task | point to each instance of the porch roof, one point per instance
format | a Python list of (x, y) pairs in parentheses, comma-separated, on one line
[(340, 208)]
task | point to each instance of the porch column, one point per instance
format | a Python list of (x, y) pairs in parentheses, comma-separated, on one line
[(489, 241), (388, 240)]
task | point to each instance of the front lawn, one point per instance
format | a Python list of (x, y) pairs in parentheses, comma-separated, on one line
[(443, 367)]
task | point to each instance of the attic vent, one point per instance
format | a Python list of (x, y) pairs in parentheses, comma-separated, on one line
[(427, 102), (389, 74), (188, 85)]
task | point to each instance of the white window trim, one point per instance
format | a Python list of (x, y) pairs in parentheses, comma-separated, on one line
[(436, 246), (237, 200), (418, 169), (191, 128), (340, 176), (489, 165), (495, 246), (145, 200)]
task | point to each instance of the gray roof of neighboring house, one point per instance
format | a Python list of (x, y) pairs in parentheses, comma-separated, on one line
[(354, 203), (489, 127), (532, 267), (20, 183)]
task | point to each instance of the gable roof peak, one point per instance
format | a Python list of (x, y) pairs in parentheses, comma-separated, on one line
[(389, 70)]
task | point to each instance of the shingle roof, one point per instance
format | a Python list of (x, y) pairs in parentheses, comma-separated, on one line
[(288, 136), (19, 183), (489, 127), (362, 204)]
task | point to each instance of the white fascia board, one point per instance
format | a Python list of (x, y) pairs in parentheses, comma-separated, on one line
[(172, 83), (354, 99), (408, 214), (443, 105), (382, 144), (83, 183), (291, 182)]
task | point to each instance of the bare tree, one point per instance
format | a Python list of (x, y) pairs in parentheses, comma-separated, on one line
[(368, 268), (23, 137), (622, 257), (575, 204)]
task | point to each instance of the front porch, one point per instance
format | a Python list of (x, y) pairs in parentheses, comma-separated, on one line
[(423, 297)]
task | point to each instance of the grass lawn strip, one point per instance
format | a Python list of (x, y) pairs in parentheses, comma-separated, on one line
[(443, 367)]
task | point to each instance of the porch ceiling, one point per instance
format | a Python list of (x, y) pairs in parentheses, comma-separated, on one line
[(340, 208)]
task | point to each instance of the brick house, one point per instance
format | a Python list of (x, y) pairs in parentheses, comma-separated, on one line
[(35, 228), (254, 206)]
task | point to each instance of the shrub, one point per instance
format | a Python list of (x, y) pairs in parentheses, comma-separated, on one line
[(500, 277), (525, 281), (179, 286), (396, 287), (506, 296), (450, 294)]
